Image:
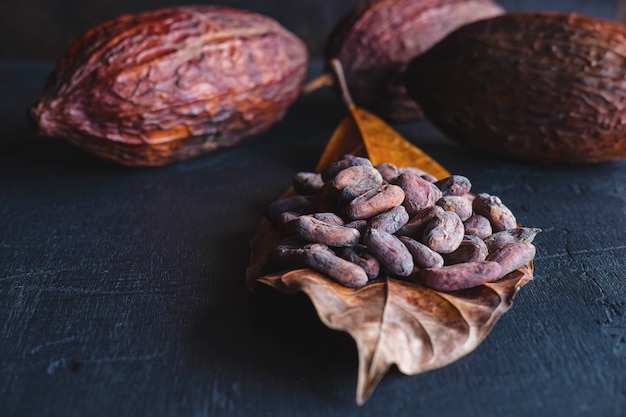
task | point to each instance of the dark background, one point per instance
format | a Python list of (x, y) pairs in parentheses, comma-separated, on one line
[(122, 290), (45, 29)]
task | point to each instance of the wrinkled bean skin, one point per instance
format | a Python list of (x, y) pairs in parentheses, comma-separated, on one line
[(478, 226), (423, 256), (375, 202), (388, 171), (328, 218), (520, 234), (513, 256), (314, 230), (458, 204), (416, 226), (444, 233), (461, 276), (471, 249), (356, 180), (344, 272), (491, 207), (362, 257), (391, 220), (454, 185), (419, 193), (334, 168), (391, 253)]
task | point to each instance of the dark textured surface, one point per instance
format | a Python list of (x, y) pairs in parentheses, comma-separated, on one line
[(45, 29), (122, 291)]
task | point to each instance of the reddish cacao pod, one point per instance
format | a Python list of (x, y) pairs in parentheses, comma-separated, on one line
[(156, 87), (377, 39), (547, 87)]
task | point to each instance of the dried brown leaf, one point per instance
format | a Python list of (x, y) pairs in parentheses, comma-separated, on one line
[(392, 322)]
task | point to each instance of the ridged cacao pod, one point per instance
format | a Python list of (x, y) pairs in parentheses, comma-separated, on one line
[(377, 39), (156, 87), (548, 87)]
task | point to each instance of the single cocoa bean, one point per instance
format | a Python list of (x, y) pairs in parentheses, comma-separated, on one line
[(314, 230), (461, 276), (419, 193), (500, 217), (519, 234), (391, 220), (478, 226), (471, 249), (458, 204), (513, 256), (454, 185), (423, 174), (375, 202), (444, 232), (360, 256), (423, 256), (332, 169), (344, 272), (354, 181), (288, 252), (388, 171), (389, 251), (307, 183)]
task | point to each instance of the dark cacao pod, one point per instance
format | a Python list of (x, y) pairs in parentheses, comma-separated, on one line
[(546, 87), (161, 86), (376, 40)]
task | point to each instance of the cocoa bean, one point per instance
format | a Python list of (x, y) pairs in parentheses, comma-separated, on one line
[(513, 256), (328, 218), (416, 225), (344, 272), (458, 204), (500, 217), (286, 224), (375, 202), (360, 225), (461, 276), (471, 249), (354, 181), (307, 183), (478, 226), (419, 193), (332, 169), (423, 174), (519, 234), (388, 171), (314, 230), (297, 204), (391, 220), (389, 251), (454, 185), (444, 232), (360, 256), (423, 256)]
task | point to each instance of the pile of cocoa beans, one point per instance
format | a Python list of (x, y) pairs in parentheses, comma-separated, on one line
[(357, 223)]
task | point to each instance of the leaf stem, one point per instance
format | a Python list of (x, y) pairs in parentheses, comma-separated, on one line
[(341, 78)]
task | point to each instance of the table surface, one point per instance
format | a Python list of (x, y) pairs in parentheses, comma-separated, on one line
[(122, 290)]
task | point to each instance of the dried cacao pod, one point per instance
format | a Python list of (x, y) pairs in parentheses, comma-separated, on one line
[(376, 40), (156, 87), (545, 87)]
